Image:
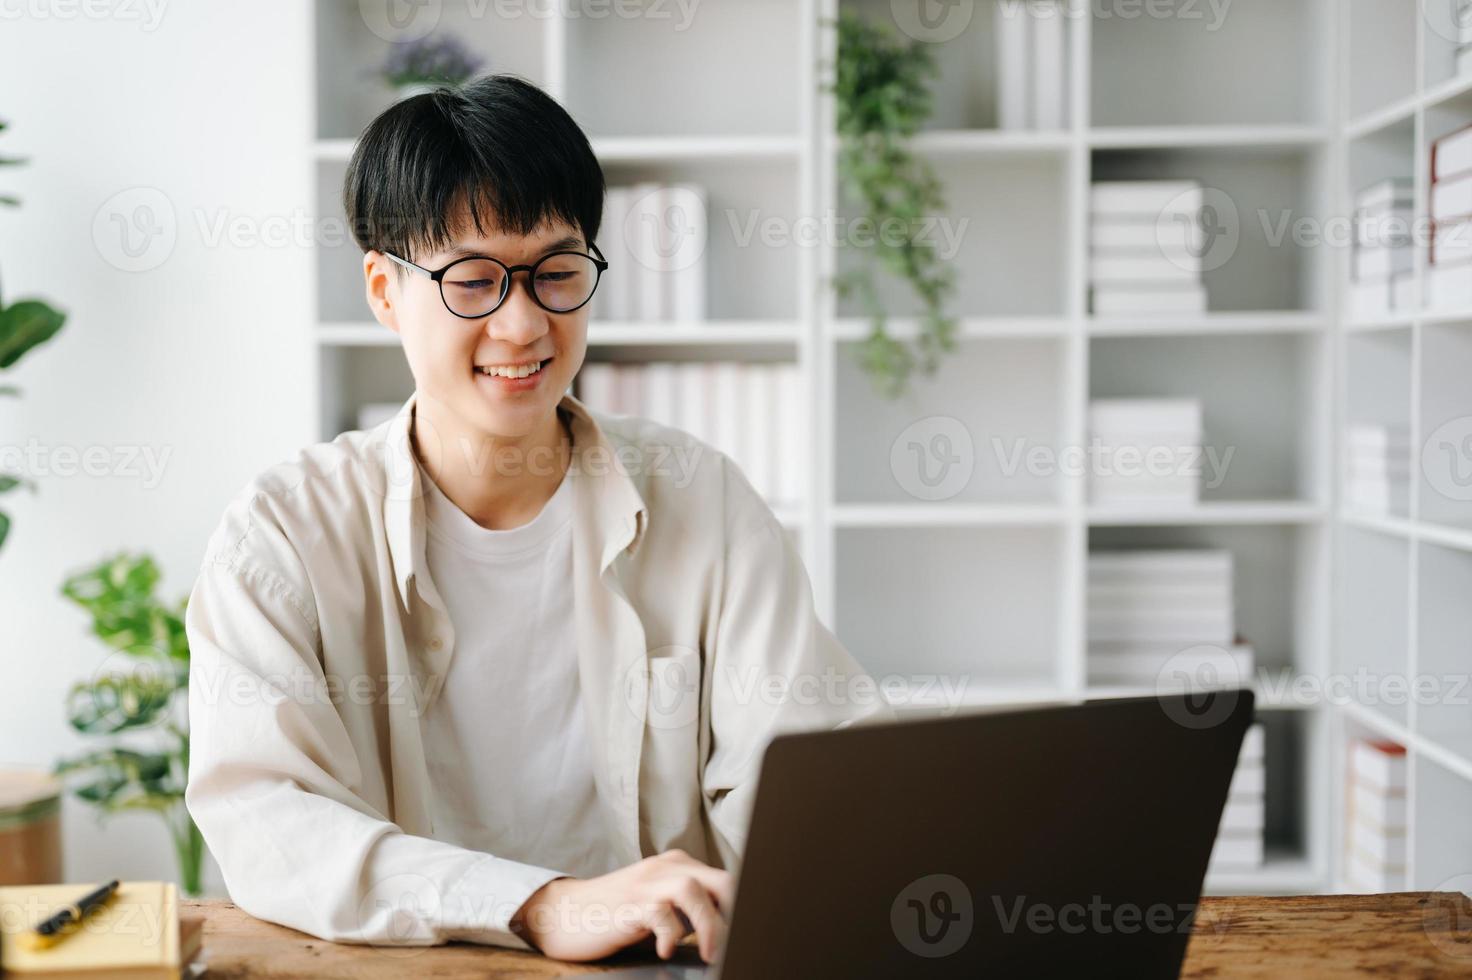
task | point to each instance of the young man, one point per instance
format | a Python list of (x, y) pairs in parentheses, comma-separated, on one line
[(503, 668)]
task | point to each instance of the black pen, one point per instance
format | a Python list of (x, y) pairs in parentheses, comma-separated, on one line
[(65, 922)]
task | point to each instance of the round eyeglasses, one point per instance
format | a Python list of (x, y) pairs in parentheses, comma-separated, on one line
[(477, 285)]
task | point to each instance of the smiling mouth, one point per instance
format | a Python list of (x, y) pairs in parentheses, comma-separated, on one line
[(520, 371)]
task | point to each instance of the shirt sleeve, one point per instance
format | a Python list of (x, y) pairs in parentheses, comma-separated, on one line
[(271, 771), (776, 667)]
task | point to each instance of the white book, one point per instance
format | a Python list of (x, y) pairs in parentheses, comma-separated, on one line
[(694, 399), (1049, 81), (1236, 850), (1378, 764), (1380, 262), (1120, 301), (791, 419), (760, 398), (1244, 814), (629, 383), (660, 391), (1451, 242), (1230, 666), (1166, 560), (642, 229), (1254, 745), (685, 284), (1185, 630), (1449, 287), (1014, 95), (1451, 155), (1378, 437), (1403, 291), (1168, 236), (1187, 593), (596, 386), (614, 289), (1392, 193), (726, 409), (1389, 227), (1451, 198), (1110, 267), (1118, 415), (1368, 300), (1377, 845), (1153, 199), (1363, 877), (1183, 491), (1379, 809), (1248, 779)]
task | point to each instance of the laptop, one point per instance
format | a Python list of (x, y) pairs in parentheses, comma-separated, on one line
[(1066, 839)]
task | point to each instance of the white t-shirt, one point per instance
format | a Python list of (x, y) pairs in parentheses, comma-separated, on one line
[(512, 688)]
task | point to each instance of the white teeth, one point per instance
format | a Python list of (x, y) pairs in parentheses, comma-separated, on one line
[(522, 371)]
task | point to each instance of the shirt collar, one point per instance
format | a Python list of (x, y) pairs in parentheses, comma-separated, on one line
[(606, 503)]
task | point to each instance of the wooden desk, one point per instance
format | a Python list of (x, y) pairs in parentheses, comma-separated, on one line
[(1415, 933)]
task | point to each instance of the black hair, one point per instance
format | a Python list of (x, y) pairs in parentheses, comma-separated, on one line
[(497, 144)]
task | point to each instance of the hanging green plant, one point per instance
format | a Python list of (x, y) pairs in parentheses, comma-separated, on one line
[(882, 96)]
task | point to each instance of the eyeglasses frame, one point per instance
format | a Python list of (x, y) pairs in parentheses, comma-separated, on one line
[(438, 275)]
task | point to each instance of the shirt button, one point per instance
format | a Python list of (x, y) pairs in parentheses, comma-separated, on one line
[(435, 643)]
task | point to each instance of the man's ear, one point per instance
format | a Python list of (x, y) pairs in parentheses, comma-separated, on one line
[(381, 284)]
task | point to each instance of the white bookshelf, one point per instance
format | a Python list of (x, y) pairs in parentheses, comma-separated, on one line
[(1409, 368), (990, 584)]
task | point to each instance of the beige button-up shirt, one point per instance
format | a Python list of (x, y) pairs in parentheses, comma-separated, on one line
[(318, 641)]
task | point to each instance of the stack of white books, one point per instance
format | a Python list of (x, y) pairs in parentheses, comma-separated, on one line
[(1146, 451), (1165, 619), (1377, 468), (1239, 838), (1145, 247), (752, 412), (1376, 798), (1381, 266), (656, 243), (1449, 259), (1032, 59)]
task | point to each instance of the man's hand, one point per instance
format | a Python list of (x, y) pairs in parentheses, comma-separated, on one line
[(665, 896)]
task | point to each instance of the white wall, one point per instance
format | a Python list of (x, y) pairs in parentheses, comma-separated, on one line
[(205, 358)]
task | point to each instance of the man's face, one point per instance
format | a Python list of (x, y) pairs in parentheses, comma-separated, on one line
[(452, 358)]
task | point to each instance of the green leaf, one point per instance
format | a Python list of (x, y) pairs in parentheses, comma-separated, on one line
[(124, 779), (119, 594), (4, 526), (23, 326), (119, 702), (13, 390)]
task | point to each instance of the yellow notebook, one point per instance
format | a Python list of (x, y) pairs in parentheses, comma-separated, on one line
[(135, 936)]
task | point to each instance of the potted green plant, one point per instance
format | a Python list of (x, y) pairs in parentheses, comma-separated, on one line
[(141, 690), (24, 325), (882, 96), (415, 67)]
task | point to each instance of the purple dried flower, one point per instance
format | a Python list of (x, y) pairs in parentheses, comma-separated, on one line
[(444, 60)]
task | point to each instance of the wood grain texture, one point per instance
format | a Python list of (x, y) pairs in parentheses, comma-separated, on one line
[(1421, 934)]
